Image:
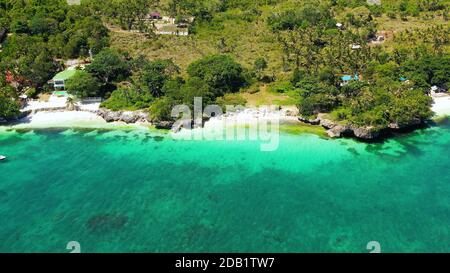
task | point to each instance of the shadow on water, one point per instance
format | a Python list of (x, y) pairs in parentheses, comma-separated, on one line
[(102, 223), (158, 138), (3, 195), (353, 151), (20, 131), (387, 135), (99, 131), (407, 140)]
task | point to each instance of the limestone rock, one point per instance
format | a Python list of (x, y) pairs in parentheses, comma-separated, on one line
[(163, 124)]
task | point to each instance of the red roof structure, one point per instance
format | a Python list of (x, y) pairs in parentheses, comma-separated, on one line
[(155, 15)]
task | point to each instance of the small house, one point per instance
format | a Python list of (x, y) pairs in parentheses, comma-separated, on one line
[(155, 16), (348, 78), (59, 80), (172, 30)]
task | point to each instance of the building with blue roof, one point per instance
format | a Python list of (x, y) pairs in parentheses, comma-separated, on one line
[(347, 78)]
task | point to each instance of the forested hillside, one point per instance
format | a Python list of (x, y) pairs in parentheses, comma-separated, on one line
[(238, 51)]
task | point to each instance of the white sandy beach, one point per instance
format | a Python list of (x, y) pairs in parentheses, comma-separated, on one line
[(68, 119), (86, 119), (441, 105), (61, 119), (251, 116), (215, 127)]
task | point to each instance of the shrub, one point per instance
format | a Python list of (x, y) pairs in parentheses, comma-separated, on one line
[(231, 99)]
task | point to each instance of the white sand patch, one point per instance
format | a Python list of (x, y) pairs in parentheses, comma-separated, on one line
[(53, 102), (441, 105), (253, 118), (61, 119), (72, 119), (60, 102), (89, 106)]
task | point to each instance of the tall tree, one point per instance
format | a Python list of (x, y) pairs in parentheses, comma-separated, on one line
[(221, 72), (131, 13), (109, 66), (83, 85), (9, 108)]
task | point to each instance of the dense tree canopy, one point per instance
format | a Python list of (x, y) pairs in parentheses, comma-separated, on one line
[(41, 32), (306, 54), (221, 72), (9, 108), (109, 66), (83, 85), (154, 75)]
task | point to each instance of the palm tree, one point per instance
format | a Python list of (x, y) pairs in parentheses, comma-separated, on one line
[(71, 103)]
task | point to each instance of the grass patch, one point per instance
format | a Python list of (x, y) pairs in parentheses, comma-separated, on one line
[(304, 129)]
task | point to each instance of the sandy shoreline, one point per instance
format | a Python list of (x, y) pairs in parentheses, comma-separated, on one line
[(63, 119), (85, 119), (441, 105), (68, 119)]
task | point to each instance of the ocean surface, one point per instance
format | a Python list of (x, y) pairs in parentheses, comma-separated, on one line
[(143, 191)]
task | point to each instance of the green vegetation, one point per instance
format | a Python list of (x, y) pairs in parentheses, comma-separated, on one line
[(82, 85), (322, 53), (240, 51), (39, 35), (158, 86), (9, 108), (109, 66), (221, 72), (303, 129), (232, 100)]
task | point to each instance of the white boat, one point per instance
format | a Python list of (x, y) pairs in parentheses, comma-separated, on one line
[(2, 157)]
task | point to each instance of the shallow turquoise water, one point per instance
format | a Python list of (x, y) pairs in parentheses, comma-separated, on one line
[(134, 191)]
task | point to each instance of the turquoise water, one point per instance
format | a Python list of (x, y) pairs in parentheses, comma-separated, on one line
[(137, 191)]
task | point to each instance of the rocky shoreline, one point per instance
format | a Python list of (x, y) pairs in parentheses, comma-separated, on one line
[(123, 116), (337, 130), (144, 117), (132, 117), (22, 115), (334, 129)]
